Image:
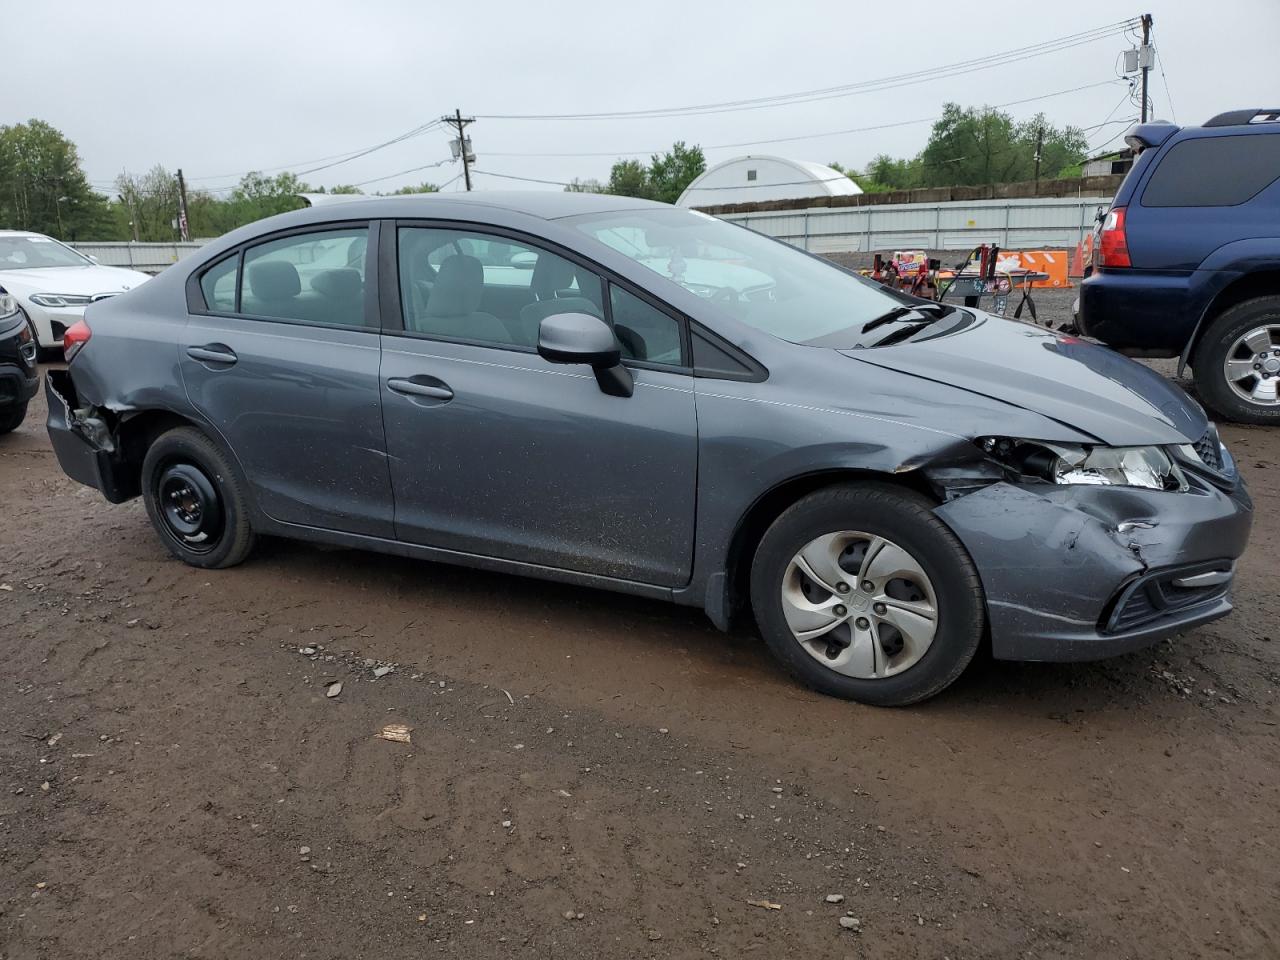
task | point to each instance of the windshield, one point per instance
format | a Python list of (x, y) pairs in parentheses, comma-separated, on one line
[(26, 253), (763, 282)]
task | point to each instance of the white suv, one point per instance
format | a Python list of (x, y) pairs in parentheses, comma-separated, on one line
[(53, 283)]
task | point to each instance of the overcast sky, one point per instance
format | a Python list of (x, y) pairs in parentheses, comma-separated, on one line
[(219, 88)]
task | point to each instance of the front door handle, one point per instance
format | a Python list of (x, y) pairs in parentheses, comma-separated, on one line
[(213, 353), (427, 387)]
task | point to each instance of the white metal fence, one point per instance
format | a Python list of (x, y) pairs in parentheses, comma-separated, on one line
[(1024, 224), (147, 257)]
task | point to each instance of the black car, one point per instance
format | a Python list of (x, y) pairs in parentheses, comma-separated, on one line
[(1187, 261), (19, 378)]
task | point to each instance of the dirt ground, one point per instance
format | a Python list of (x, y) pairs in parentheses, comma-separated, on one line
[(589, 775)]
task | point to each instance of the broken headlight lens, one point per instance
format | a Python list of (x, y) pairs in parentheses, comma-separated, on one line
[(1066, 463)]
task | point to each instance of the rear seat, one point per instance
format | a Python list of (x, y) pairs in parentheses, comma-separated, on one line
[(274, 289)]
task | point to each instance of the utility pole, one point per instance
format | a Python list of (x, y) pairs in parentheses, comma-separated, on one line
[(461, 147), (184, 230), (1039, 151), (1144, 59)]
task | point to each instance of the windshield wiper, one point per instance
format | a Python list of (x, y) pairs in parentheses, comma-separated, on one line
[(897, 313), (928, 312)]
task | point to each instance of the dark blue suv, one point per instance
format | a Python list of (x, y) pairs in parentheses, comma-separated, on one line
[(1187, 260)]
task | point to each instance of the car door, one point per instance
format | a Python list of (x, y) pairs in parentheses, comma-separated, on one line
[(498, 452), (283, 360)]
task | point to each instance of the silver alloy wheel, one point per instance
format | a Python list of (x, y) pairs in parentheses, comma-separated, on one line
[(1252, 366), (860, 604)]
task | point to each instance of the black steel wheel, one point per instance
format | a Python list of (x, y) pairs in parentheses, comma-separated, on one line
[(195, 501)]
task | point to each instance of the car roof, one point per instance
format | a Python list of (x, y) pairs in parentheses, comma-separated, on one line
[(20, 233), (543, 204), (1233, 118)]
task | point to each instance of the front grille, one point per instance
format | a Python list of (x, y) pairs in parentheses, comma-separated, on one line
[(104, 296), (1155, 596), (1209, 449)]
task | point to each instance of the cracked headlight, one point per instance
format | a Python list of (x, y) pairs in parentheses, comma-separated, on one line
[(1065, 463)]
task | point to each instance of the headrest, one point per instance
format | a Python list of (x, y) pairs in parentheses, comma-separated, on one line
[(341, 284), (551, 273), (458, 288), (274, 280)]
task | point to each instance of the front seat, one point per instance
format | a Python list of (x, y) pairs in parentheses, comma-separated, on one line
[(341, 296), (274, 286), (552, 285), (451, 307)]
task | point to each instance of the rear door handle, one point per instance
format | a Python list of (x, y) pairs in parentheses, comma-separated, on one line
[(433, 390), (213, 353)]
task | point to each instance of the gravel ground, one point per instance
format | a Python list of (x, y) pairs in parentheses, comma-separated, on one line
[(588, 775)]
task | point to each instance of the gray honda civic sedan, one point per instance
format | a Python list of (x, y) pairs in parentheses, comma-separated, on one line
[(626, 395)]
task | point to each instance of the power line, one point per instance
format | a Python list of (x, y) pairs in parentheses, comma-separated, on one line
[(401, 173), (510, 176), (803, 136), (807, 136), (336, 159), (866, 86), (1173, 114)]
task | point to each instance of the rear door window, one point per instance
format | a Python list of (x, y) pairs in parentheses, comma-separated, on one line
[(219, 285), (1214, 172), (313, 277)]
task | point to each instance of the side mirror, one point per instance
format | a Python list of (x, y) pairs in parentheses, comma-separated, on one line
[(524, 260), (91, 258), (582, 338)]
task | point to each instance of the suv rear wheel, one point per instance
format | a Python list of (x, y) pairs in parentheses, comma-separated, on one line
[(1237, 366), (863, 593), (194, 500)]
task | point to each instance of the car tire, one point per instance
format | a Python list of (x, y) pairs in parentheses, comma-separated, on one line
[(1228, 346), (845, 520), (195, 501), (12, 417)]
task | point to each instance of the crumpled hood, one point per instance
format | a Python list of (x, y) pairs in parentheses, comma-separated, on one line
[(86, 280), (1086, 386)]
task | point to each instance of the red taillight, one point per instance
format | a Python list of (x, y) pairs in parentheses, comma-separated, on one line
[(1113, 245), (75, 338)]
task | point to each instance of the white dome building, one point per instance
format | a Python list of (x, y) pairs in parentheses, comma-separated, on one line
[(754, 178)]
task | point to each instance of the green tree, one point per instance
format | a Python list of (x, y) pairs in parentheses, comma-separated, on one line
[(42, 185), (149, 204), (420, 188), (266, 196), (674, 170), (663, 179), (630, 178), (978, 146), (983, 146)]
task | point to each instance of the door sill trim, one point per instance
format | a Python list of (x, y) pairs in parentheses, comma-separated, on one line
[(360, 541)]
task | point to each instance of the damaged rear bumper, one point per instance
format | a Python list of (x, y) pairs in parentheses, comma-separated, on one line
[(1085, 572), (85, 454)]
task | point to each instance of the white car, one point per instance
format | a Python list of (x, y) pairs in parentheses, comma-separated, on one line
[(53, 283)]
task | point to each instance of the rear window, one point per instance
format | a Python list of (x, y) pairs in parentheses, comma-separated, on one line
[(1214, 172)]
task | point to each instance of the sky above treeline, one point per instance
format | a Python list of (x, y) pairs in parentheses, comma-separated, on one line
[(221, 89)]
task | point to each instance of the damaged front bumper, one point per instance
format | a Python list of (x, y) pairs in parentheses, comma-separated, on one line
[(82, 444), (1085, 572)]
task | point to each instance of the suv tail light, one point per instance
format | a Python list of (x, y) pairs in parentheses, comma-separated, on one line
[(1113, 245), (74, 339)]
